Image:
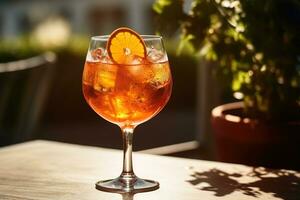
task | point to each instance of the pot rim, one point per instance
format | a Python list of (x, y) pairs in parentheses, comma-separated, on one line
[(218, 112)]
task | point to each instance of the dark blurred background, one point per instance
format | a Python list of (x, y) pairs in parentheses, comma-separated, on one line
[(57, 110)]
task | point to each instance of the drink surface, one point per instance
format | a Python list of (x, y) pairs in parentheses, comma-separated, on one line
[(127, 94)]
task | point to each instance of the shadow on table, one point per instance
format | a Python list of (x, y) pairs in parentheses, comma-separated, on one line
[(281, 183)]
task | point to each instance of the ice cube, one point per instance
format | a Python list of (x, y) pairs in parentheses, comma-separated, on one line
[(161, 75), (155, 56), (99, 55), (106, 59), (96, 54), (141, 73), (139, 69), (138, 95), (105, 77), (137, 60), (120, 105), (157, 84), (88, 74)]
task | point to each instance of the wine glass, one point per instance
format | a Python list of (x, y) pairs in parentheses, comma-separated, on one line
[(127, 95)]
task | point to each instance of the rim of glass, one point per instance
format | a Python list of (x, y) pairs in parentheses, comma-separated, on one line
[(144, 37)]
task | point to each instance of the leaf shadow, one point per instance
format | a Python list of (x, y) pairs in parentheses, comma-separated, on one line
[(283, 184)]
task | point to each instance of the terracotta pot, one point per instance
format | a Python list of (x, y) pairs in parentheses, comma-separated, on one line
[(250, 141)]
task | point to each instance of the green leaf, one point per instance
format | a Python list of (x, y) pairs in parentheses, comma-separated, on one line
[(159, 5), (239, 79), (185, 44)]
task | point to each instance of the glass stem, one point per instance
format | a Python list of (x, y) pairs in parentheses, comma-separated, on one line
[(127, 176)]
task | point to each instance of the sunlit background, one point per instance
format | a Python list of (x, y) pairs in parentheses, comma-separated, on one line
[(220, 51), (28, 28)]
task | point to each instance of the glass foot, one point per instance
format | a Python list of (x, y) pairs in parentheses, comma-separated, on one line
[(121, 185)]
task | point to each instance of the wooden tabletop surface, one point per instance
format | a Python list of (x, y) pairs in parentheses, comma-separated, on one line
[(56, 171)]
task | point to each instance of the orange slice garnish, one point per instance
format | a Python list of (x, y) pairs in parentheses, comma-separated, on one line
[(124, 45)]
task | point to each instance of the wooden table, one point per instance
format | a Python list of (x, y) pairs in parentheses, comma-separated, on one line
[(57, 171)]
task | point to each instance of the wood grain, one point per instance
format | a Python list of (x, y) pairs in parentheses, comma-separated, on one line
[(42, 170)]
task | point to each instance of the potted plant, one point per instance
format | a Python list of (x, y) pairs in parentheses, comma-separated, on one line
[(256, 47)]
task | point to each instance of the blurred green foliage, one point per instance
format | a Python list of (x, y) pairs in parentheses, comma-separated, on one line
[(22, 47), (256, 44), (16, 48)]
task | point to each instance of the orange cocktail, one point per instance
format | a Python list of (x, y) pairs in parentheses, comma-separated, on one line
[(127, 80), (127, 94)]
